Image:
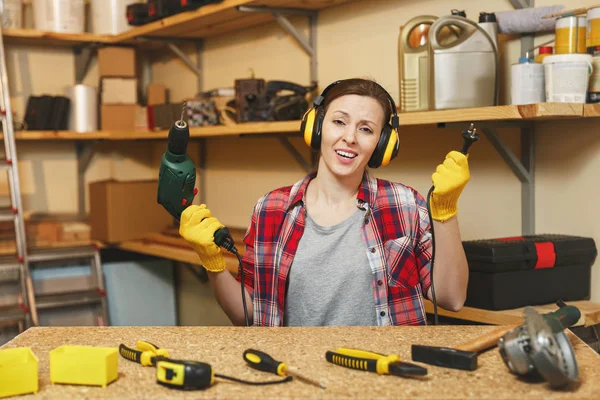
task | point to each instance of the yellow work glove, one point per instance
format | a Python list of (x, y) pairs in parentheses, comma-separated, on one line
[(449, 179), (198, 227)]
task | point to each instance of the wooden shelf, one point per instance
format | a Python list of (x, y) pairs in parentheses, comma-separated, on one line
[(218, 19), (540, 111), (590, 313), (532, 112), (34, 37), (174, 247)]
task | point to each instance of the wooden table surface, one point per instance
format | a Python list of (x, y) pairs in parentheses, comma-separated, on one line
[(304, 349)]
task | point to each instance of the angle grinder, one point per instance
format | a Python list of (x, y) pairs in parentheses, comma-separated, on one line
[(531, 349)]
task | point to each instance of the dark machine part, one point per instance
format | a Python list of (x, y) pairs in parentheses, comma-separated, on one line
[(153, 10), (532, 349), (137, 14), (256, 101), (246, 89)]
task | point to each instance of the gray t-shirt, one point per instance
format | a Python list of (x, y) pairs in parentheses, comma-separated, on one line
[(330, 280)]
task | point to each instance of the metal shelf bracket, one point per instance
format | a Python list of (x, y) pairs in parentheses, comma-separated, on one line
[(308, 45)]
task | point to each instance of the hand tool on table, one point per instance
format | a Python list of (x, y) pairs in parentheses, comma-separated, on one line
[(535, 349), (179, 374), (263, 362), (374, 362), (144, 353), (176, 191), (464, 356)]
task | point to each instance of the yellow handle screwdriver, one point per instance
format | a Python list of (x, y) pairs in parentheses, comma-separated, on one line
[(264, 362), (373, 362)]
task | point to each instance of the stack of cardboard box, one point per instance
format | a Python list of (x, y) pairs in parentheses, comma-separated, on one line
[(118, 88)]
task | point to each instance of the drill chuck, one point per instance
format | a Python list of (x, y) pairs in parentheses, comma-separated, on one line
[(178, 139)]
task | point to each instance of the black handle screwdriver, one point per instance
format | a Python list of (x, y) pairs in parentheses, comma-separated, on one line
[(264, 362)]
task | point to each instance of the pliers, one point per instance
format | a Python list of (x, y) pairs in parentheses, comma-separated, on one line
[(373, 362), (145, 353)]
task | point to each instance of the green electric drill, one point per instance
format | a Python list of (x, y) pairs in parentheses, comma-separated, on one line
[(177, 174), (177, 178)]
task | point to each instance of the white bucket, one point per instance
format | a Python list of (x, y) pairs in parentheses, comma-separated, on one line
[(109, 17), (567, 77), (12, 14), (65, 16)]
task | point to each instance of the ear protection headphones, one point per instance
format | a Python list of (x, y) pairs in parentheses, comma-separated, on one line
[(387, 147)]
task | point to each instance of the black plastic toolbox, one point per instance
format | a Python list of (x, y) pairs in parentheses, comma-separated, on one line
[(515, 272)]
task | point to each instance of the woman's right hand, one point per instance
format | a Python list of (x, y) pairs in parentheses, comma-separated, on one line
[(197, 226)]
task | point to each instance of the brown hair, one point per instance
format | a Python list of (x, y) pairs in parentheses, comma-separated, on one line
[(361, 87)]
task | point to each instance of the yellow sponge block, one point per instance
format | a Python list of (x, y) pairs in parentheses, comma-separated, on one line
[(84, 365), (18, 372)]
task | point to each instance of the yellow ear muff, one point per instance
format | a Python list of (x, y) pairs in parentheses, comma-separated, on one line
[(309, 125), (389, 149)]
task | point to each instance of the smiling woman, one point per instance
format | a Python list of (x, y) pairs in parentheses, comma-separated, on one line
[(340, 247)]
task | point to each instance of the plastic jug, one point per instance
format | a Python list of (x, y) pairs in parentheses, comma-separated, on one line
[(413, 63), (464, 68)]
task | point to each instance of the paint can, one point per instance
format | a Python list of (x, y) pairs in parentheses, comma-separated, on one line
[(593, 95), (570, 35), (527, 82), (593, 31), (567, 77)]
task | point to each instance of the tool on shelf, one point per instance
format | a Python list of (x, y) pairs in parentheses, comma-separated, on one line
[(374, 362), (534, 348), (465, 356), (263, 362), (176, 187), (179, 374)]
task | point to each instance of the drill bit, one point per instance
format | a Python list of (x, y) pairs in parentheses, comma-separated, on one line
[(181, 123), (183, 109)]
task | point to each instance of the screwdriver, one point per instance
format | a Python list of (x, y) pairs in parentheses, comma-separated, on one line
[(264, 362), (373, 362)]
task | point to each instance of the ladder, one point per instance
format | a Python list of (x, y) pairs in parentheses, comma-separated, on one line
[(25, 307), (25, 311)]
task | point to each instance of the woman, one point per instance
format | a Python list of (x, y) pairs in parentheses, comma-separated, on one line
[(340, 247)]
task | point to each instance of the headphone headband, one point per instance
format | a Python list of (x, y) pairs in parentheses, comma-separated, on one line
[(395, 120)]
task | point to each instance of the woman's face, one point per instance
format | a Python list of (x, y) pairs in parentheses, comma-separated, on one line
[(350, 133)]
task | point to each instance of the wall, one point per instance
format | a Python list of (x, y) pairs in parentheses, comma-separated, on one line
[(357, 39)]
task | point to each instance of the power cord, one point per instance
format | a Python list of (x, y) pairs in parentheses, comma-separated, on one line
[(470, 136), (223, 238)]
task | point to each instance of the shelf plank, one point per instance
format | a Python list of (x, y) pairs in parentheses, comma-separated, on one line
[(218, 19), (590, 313), (591, 110), (530, 112), (35, 37), (494, 113)]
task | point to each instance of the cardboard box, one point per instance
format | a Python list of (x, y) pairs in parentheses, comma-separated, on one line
[(118, 117), (116, 61), (122, 211), (118, 90), (157, 94)]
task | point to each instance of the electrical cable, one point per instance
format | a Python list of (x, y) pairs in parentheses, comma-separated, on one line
[(470, 136), (286, 379)]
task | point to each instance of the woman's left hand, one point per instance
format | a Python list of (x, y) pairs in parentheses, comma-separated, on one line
[(449, 179)]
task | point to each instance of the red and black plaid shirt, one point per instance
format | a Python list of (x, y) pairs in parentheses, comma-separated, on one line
[(397, 235)]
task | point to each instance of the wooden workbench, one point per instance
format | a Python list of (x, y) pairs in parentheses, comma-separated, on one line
[(304, 349)]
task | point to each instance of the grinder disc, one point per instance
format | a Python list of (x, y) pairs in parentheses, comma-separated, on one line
[(551, 354)]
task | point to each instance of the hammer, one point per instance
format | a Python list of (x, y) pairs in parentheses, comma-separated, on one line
[(464, 356)]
